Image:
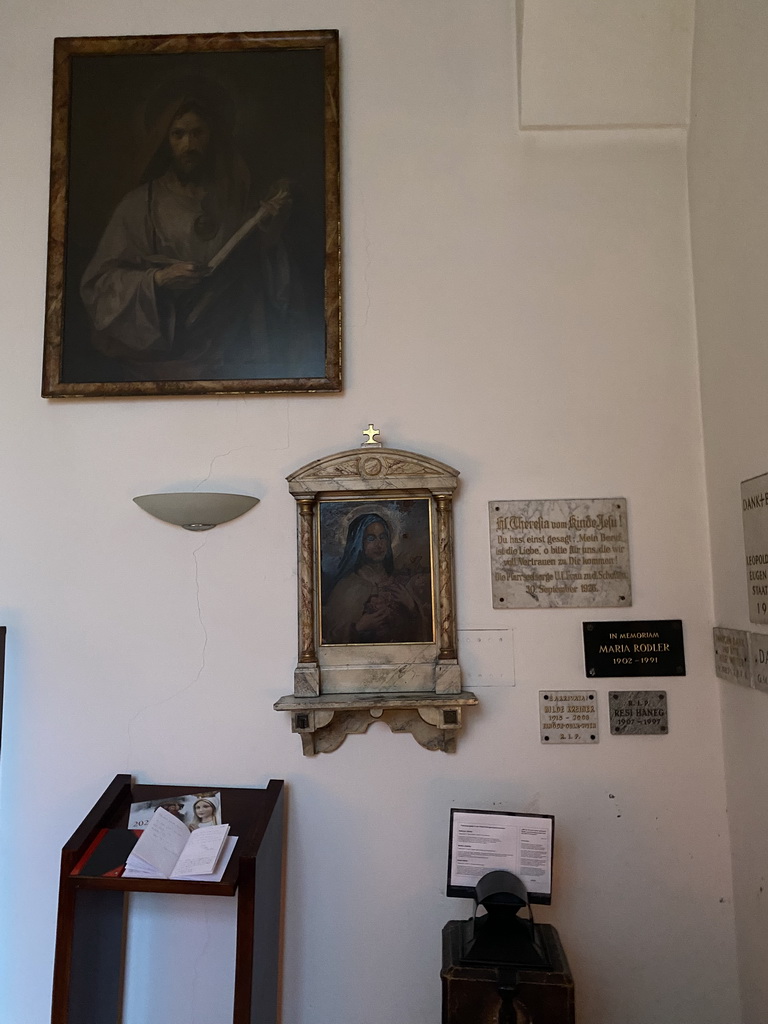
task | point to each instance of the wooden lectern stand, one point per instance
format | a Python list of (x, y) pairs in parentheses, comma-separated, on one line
[(88, 966)]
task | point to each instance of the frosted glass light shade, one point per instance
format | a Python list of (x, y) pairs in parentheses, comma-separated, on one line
[(196, 510)]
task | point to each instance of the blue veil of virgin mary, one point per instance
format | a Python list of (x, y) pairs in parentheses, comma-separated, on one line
[(353, 556)]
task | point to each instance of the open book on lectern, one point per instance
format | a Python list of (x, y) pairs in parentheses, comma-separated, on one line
[(167, 849)]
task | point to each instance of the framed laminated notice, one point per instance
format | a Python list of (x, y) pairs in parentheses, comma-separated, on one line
[(483, 841), (194, 216)]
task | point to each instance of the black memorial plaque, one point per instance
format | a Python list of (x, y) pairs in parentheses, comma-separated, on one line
[(638, 712), (652, 647)]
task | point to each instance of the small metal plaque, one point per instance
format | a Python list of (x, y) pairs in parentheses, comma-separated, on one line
[(638, 712), (732, 655), (758, 652), (648, 647), (568, 716), (754, 514), (563, 553)]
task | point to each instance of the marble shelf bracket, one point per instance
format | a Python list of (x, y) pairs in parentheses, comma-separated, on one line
[(323, 723)]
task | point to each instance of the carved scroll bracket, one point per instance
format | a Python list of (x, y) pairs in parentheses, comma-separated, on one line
[(323, 723)]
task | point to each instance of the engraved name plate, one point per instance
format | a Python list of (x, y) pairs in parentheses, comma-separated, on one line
[(638, 712), (732, 655), (758, 651), (562, 553), (568, 716), (648, 647), (754, 514)]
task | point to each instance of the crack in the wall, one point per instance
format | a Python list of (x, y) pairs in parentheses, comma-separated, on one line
[(177, 693), (222, 455), (199, 615)]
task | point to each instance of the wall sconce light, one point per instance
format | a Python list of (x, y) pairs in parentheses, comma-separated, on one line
[(196, 510)]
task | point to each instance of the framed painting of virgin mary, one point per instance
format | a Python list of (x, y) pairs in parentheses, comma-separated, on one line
[(376, 613), (376, 571)]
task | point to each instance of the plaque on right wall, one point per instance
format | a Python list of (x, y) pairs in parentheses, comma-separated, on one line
[(754, 513), (732, 655)]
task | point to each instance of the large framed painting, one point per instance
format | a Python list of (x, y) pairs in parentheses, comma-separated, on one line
[(194, 242)]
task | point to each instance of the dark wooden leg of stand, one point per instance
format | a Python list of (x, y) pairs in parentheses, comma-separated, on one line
[(88, 981), (259, 909)]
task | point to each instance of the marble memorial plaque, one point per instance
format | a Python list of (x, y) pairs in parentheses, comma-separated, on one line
[(560, 553), (648, 647), (732, 654), (758, 651), (638, 712), (568, 716), (754, 514)]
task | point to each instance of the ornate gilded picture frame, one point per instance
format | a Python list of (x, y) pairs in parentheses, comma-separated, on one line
[(376, 616), (194, 240)]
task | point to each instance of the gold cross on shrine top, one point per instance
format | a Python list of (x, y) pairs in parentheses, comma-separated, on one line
[(371, 433)]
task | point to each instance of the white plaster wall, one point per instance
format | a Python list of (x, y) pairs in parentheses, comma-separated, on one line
[(605, 62), (519, 307), (729, 223)]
